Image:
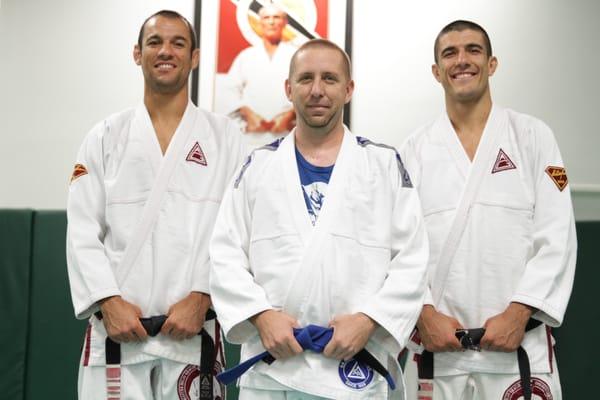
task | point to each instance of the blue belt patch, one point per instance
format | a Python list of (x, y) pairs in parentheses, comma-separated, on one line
[(355, 374)]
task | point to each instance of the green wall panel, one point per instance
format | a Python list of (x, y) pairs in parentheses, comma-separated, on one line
[(576, 350), (55, 336), (15, 239)]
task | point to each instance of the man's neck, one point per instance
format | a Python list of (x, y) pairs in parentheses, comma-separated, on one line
[(469, 120), (271, 47), (166, 111), (319, 148)]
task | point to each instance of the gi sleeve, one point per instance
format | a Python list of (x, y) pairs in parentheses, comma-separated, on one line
[(235, 295), (548, 278), (410, 157), (90, 274), (398, 303), (233, 151)]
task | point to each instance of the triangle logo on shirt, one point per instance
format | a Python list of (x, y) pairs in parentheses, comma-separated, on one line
[(196, 155), (357, 373), (503, 163)]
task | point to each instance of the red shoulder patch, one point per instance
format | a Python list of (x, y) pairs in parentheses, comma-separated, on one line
[(78, 171), (558, 176)]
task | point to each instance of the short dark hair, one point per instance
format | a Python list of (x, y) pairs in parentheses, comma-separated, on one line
[(326, 44), (459, 26), (169, 14)]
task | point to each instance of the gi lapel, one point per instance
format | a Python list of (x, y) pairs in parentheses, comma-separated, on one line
[(315, 238), (484, 157), (173, 155)]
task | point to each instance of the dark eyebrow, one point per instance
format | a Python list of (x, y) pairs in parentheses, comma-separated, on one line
[(447, 49), (474, 46)]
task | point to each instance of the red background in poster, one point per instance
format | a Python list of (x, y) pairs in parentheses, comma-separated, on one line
[(231, 40)]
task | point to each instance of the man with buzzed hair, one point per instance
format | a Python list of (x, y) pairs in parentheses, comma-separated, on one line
[(256, 80), (319, 251), (142, 202), (498, 212)]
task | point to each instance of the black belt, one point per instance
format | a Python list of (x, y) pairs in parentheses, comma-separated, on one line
[(153, 325), (470, 339)]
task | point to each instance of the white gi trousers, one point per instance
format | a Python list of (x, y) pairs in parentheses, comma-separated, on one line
[(483, 386)]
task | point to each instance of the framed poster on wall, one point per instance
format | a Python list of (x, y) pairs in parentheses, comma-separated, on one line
[(244, 66)]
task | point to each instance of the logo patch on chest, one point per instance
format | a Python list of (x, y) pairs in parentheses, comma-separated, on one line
[(197, 155), (558, 176), (503, 163), (354, 374)]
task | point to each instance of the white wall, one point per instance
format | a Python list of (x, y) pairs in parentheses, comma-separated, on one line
[(67, 63)]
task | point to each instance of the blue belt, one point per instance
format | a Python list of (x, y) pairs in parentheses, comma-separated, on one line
[(311, 337)]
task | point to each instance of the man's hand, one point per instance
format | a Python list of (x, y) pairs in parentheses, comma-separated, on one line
[(284, 122), (505, 331), (122, 320), (254, 122), (350, 335), (276, 333), (186, 317), (437, 330)]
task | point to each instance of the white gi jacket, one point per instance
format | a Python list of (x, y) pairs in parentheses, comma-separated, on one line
[(518, 243), (123, 157), (366, 253)]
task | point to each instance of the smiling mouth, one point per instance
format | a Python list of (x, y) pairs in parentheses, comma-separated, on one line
[(463, 75), (164, 66)]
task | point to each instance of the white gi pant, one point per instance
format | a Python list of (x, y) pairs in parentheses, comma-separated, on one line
[(151, 380), (483, 386)]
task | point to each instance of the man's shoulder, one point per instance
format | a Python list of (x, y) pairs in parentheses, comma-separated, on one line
[(528, 125), (386, 155), (258, 161), (113, 124)]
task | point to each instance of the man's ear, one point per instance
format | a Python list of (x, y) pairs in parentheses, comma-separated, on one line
[(195, 58), (492, 65), (288, 89), (137, 54), (435, 71)]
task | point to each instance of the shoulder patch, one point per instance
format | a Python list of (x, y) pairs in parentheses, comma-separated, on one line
[(271, 147), (78, 171), (558, 176), (406, 182)]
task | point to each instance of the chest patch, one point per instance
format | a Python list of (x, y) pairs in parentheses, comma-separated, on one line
[(197, 155), (503, 163), (558, 176), (354, 374)]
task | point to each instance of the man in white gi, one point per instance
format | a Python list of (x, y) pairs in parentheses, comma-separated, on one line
[(142, 203), (499, 217), (256, 80), (320, 228)]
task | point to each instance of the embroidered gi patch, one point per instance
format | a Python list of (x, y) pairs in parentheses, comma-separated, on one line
[(539, 390), (79, 170), (503, 163), (196, 155), (354, 374), (189, 386), (558, 176)]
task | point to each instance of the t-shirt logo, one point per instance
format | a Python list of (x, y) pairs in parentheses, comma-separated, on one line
[(558, 176)]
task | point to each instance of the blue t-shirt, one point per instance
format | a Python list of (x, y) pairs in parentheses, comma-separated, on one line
[(314, 181)]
